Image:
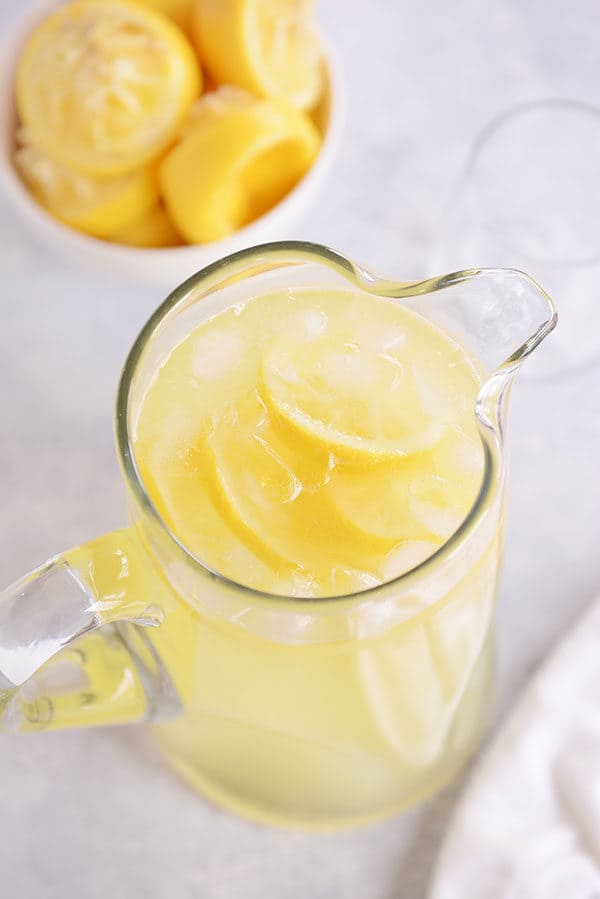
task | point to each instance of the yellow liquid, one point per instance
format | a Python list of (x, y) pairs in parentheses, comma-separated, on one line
[(315, 443)]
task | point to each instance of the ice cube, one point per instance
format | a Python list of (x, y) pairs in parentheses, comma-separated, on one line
[(298, 584), (216, 353), (429, 505), (433, 395), (307, 324), (285, 369), (270, 480), (406, 556), (459, 453), (381, 338), (347, 370), (177, 433), (352, 580)]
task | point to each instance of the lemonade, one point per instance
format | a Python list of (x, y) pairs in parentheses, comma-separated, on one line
[(306, 443), (317, 443)]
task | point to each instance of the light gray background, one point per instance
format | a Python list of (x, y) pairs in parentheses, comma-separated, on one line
[(98, 814)]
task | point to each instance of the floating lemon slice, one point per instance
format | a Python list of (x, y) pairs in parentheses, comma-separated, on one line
[(420, 500), (424, 497), (183, 503), (103, 85), (153, 229), (439, 505), (93, 205), (376, 503), (268, 47), (234, 164), (256, 497), (406, 556), (357, 402), (272, 500), (442, 494)]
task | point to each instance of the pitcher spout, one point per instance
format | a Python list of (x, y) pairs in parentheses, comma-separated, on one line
[(500, 315)]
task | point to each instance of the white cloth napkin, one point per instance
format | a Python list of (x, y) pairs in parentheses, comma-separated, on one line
[(528, 826)]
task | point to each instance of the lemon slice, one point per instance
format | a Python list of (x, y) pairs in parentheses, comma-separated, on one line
[(93, 205), (407, 555), (272, 501), (356, 401), (175, 479), (422, 500), (441, 497), (103, 85), (419, 501), (262, 500), (235, 165), (375, 501), (152, 230), (268, 47), (439, 505)]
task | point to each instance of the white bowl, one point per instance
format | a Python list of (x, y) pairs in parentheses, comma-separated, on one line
[(169, 266)]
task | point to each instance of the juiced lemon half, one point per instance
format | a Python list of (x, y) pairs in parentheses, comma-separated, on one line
[(268, 47), (103, 85), (237, 158), (96, 206)]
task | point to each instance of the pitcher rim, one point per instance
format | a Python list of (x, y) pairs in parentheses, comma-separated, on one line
[(361, 278)]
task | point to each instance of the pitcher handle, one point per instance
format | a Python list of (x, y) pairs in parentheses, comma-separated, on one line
[(74, 640)]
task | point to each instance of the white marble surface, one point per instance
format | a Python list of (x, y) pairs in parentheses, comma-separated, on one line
[(97, 814)]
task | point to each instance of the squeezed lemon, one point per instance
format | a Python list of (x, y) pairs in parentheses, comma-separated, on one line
[(268, 47), (102, 86), (96, 206), (238, 157), (106, 89)]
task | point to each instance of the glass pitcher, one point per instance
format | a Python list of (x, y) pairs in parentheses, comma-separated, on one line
[(305, 712)]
